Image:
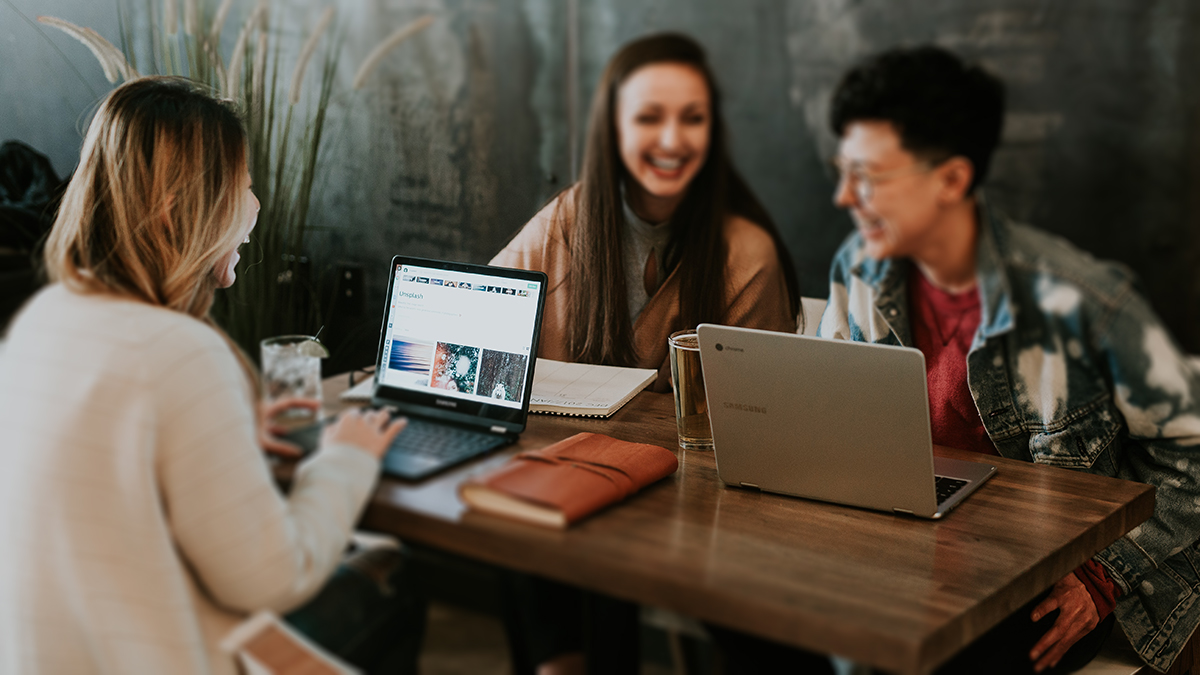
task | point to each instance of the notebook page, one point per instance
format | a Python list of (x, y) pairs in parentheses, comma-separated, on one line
[(585, 388)]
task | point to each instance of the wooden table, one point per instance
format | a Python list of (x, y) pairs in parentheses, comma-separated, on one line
[(894, 592)]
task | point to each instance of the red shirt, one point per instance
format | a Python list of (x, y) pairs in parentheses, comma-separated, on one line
[(943, 326)]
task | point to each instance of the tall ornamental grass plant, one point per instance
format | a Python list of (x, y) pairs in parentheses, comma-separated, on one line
[(275, 293)]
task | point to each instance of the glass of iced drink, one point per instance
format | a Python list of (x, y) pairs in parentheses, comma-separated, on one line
[(291, 368)]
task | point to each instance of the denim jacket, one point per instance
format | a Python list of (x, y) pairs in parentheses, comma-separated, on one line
[(1070, 367)]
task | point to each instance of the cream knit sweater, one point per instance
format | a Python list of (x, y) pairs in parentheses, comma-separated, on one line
[(138, 519)]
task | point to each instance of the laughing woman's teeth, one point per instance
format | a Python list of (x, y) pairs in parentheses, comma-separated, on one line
[(666, 164)]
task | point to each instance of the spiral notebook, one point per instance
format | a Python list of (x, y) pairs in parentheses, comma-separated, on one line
[(560, 388), (585, 390)]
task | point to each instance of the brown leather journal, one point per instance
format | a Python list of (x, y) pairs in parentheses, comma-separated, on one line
[(560, 484)]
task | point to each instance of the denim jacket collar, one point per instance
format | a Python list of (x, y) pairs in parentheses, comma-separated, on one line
[(995, 291), (888, 279)]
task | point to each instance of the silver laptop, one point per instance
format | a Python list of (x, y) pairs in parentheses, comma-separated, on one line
[(834, 420)]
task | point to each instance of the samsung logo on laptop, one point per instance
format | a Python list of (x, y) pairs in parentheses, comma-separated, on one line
[(746, 408), (445, 404)]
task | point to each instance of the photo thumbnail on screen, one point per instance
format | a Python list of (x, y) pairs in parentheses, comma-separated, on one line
[(502, 375), (455, 367), (411, 361)]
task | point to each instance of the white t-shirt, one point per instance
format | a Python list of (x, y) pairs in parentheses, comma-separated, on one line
[(138, 519)]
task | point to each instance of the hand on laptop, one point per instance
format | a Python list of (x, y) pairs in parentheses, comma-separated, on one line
[(367, 429), (269, 431)]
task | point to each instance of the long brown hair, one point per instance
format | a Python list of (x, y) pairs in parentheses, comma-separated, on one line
[(600, 329), (157, 199)]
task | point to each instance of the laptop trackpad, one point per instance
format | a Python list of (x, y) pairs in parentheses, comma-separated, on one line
[(975, 472), (409, 464)]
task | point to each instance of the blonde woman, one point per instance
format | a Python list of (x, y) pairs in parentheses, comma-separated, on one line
[(138, 520)]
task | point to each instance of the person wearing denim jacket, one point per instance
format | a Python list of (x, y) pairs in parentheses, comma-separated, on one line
[(1068, 366)]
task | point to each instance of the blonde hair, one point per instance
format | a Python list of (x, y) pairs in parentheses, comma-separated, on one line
[(157, 199)]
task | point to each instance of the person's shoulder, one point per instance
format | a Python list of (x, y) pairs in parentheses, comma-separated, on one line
[(123, 332), (542, 236), (141, 321), (150, 329), (851, 258), (1052, 262), (852, 250), (749, 241), (549, 221)]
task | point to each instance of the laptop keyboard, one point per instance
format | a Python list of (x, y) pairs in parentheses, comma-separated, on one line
[(441, 441), (946, 487), (438, 441)]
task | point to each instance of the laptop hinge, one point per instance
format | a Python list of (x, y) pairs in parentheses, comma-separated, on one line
[(497, 429), (902, 511), (750, 485)]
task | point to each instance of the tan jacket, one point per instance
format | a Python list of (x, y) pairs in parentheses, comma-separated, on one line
[(756, 295)]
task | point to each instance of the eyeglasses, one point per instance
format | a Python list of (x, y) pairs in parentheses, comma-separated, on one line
[(863, 182)]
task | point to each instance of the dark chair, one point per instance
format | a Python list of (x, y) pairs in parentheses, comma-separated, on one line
[(29, 196)]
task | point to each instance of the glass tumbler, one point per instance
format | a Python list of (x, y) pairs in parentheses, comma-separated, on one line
[(691, 407), (291, 368)]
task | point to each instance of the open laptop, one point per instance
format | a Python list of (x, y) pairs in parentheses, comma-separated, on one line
[(834, 420), (456, 356)]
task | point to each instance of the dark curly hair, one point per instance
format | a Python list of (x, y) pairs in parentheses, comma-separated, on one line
[(940, 106)]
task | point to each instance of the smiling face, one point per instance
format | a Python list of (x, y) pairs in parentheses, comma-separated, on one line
[(224, 270), (901, 214), (664, 123)]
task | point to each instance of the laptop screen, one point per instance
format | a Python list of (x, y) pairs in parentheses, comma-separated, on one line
[(461, 337)]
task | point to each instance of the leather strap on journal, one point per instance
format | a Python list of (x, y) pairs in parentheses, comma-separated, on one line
[(581, 474)]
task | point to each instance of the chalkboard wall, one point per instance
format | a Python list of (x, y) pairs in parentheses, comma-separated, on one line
[(472, 125)]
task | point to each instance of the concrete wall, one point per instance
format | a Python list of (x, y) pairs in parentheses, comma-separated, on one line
[(467, 129)]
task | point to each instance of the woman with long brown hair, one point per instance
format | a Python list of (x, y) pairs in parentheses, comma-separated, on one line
[(661, 232), (138, 518)]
